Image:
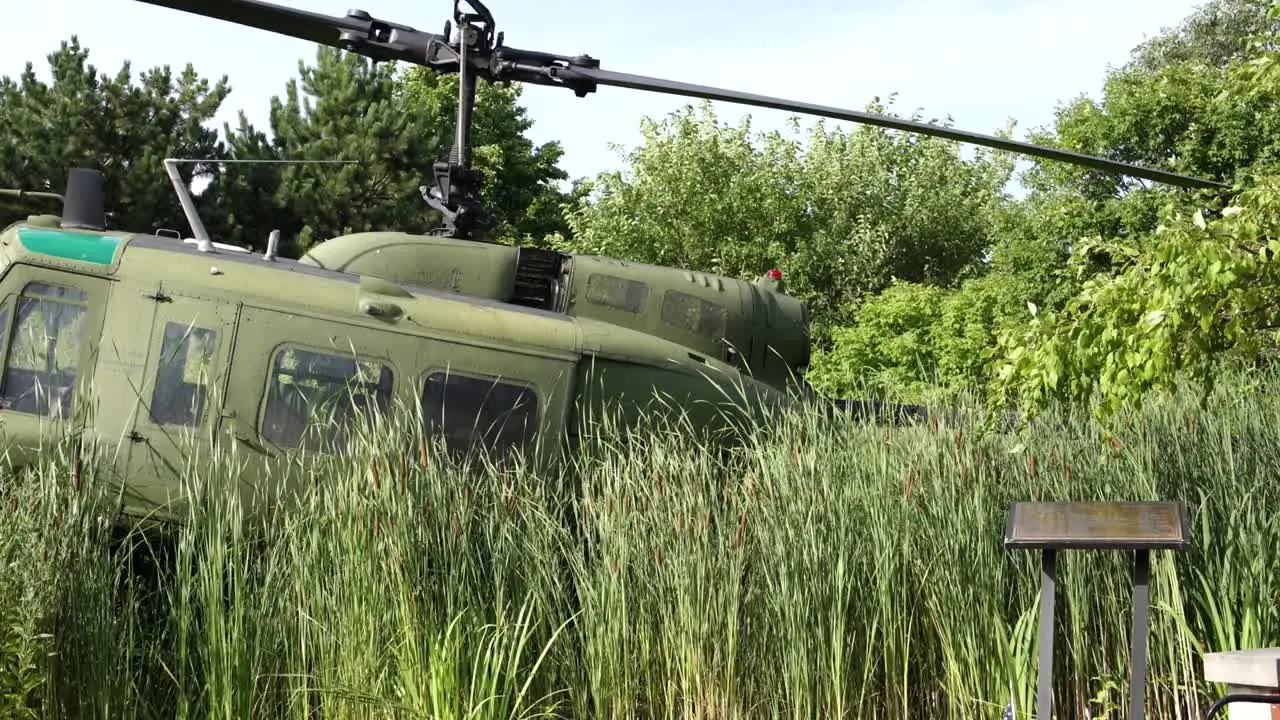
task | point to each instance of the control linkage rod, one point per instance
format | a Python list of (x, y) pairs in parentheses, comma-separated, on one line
[(474, 51)]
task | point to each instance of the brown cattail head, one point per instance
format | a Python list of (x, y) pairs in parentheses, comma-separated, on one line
[(1031, 464), (742, 528)]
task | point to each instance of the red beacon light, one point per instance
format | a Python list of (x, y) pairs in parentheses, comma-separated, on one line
[(774, 274)]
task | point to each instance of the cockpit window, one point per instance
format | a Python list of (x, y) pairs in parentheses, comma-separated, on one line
[(42, 366)]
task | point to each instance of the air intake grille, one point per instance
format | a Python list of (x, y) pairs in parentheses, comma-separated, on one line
[(537, 272)]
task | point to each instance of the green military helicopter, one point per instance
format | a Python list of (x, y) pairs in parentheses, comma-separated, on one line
[(753, 326), (497, 345)]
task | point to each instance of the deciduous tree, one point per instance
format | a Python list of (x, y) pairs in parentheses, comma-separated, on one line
[(843, 214), (1200, 291)]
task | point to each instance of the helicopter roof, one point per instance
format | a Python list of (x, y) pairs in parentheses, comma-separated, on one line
[(237, 275)]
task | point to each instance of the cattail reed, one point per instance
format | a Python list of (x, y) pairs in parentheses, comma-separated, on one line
[(517, 599)]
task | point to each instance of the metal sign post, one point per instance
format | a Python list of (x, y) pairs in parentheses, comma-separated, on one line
[(1138, 526)]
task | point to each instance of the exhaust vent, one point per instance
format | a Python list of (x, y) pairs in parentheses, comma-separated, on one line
[(84, 207)]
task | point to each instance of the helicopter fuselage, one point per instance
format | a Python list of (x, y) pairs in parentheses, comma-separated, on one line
[(167, 343), (754, 326)]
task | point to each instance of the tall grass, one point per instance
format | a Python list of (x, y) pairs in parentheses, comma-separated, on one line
[(818, 569)]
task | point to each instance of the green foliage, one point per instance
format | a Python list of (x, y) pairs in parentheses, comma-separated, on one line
[(1167, 108), (842, 214), (1216, 32), (921, 343), (394, 125), (890, 349), (1196, 294), (1180, 303), (92, 119), (1201, 100), (343, 107)]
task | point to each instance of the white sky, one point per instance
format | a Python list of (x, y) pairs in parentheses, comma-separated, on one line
[(981, 61)]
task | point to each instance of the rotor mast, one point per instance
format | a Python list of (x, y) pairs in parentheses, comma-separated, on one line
[(456, 192)]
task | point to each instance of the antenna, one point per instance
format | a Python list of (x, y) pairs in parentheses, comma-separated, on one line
[(203, 242)]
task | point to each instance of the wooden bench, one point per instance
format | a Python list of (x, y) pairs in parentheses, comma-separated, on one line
[(1252, 678)]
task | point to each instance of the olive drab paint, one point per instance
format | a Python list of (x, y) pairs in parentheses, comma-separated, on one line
[(173, 344), (751, 325), (210, 340)]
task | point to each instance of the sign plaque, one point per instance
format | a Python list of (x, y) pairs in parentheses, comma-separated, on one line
[(1097, 526), (1137, 526)]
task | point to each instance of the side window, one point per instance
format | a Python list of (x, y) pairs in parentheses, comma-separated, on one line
[(312, 396), (183, 374), (479, 413), (40, 373), (616, 292), (694, 314)]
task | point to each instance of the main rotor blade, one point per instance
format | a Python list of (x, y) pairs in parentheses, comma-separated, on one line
[(301, 24), (640, 82), (358, 33), (388, 41)]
